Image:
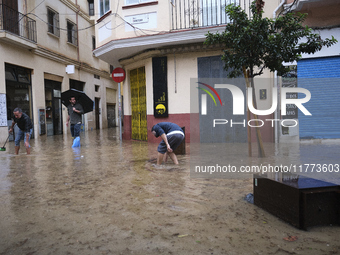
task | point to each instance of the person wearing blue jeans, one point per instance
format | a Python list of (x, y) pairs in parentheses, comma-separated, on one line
[(25, 126), (75, 110)]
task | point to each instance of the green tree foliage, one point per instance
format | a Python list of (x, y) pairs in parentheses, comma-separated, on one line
[(255, 43), (263, 42)]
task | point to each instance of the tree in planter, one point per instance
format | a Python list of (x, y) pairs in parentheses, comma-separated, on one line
[(257, 43)]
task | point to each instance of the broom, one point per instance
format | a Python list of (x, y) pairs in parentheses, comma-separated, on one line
[(3, 148)]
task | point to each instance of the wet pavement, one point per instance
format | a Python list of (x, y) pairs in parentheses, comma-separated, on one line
[(107, 197)]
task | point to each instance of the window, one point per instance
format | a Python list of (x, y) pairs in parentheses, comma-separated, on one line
[(91, 7), (104, 6), (53, 22), (128, 2), (96, 88), (72, 33), (93, 42)]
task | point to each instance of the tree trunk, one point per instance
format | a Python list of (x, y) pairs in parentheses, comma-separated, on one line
[(248, 115), (261, 152)]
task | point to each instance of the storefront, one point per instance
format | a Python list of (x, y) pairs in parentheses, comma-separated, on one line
[(53, 108), (321, 77), (18, 92)]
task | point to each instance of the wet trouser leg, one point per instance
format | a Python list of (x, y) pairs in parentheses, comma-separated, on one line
[(77, 130), (72, 130)]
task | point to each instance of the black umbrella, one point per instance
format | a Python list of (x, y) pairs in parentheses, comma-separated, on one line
[(81, 98)]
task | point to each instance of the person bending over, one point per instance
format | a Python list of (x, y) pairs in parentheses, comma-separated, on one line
[(172, 136)]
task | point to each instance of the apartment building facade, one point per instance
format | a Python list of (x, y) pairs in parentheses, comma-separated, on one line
[(160, 46), (46, 48)]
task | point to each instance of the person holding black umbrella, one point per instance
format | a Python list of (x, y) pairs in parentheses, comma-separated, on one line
[(75, 110)]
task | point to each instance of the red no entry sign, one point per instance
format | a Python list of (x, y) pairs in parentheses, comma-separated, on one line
[(118, 74)]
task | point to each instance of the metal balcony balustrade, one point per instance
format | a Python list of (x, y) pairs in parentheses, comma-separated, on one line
[(188, 14), (17, 23)]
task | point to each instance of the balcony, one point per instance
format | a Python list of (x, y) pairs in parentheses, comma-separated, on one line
[(190, 14), (17, 28), (189, 22)]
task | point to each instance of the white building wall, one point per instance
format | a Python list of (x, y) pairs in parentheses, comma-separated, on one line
[(51, 56)]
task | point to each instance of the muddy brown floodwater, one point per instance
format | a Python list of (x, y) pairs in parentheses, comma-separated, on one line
[(107, 197)]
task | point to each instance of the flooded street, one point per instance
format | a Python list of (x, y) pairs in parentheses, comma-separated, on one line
[(107, 197)]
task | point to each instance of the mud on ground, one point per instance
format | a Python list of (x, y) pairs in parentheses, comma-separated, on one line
[(103, 200)]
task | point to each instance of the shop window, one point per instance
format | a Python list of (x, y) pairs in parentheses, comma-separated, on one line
[(18, 74), (53, 22), (24, 76), (18, 89), (72, 33), (10, 74)]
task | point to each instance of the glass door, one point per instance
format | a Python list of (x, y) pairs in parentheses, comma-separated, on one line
[(57, 117), (53, 108)]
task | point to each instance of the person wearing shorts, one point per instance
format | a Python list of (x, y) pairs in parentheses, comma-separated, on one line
[(172, 136), (25, 126)]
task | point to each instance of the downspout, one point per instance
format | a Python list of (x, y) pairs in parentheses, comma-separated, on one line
[(175, 72), (78, 7), (276, 79)]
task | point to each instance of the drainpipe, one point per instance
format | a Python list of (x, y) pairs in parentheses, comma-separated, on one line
[(78, 7), (175, 72), (276, 133)]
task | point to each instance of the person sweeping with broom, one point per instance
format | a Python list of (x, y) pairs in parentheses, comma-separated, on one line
[(25, 126)]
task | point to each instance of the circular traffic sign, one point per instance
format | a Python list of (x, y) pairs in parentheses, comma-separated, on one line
[(118, 74)]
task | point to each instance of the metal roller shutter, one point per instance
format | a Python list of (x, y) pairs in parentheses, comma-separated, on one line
[(321, 76)]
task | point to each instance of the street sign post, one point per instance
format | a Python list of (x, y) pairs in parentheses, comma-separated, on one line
[(118, 75)]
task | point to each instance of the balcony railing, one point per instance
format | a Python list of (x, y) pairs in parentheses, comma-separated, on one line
[(17, 23), (186, 14)]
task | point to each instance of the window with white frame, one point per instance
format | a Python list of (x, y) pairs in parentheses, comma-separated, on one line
[(72, 36), (129, 2), (53, 22), (104, 6)]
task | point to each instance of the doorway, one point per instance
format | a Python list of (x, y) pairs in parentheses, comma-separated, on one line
[(211, 71), (53, 108), (18, 93), (111, 115), (97, 111), (138, 104)]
